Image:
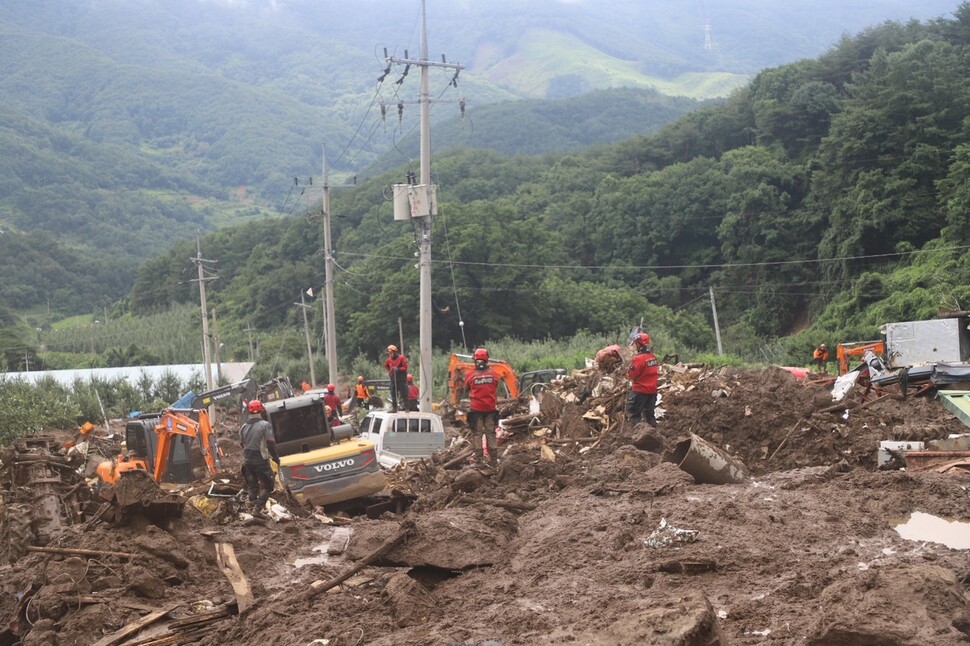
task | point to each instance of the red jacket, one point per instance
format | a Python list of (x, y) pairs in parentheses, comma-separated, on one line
[(333, 401), (413, 393), (482, 388), (643, 372), (398, 361)]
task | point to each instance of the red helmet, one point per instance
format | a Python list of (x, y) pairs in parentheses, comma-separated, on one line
[(255, 406), (330, 387), (410, 378), (641, 339), (481, 354)]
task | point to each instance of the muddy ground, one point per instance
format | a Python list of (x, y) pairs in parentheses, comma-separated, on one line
[(570, 550)]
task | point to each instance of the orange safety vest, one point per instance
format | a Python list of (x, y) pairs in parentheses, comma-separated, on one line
[(821, 354), (361, 391)]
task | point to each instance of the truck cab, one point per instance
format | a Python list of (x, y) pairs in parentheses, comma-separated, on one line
[(403, 436), (320, 464)]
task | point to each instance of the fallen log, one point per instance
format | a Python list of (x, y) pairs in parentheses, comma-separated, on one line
[(511, 505), (318, 587), (78, 552), (464, 455)]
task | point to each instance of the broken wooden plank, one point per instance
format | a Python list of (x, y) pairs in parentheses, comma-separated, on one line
[(319, 587), (226, 559), (116, 637)]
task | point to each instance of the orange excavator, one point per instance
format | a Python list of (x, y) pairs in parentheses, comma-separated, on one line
[(459, 364), (170, 447), (856, 349)]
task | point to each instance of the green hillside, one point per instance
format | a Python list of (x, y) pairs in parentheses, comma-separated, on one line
[(830, 191)]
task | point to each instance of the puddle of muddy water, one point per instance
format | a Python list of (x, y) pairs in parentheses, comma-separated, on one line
[(926, 527)]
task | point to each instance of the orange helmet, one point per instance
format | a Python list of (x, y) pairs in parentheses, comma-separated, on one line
[(255, 406), (392, 348), (359, 379), (481, 354)]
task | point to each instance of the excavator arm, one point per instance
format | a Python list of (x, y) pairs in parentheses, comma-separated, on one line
[(246, 387), (459, 364), (172, 424)]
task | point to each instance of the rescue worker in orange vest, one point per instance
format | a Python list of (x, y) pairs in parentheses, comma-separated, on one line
[(821, 358), (482, 386), (361, 394), (332, 399), (397, 369), (413, 394), (642, 373)]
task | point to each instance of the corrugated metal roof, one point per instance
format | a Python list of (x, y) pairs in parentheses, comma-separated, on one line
[(186, 372)]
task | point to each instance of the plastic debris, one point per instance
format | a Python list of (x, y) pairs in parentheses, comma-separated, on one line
[(667, 535)]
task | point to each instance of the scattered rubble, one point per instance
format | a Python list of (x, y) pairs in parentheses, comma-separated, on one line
[(588, 531)]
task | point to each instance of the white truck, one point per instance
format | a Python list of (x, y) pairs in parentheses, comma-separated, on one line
[(402, 436)]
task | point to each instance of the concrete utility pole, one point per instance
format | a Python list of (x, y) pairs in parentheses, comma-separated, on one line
[(306, 331), (328, 308), (717, 327), (423, 206), (206, 357)]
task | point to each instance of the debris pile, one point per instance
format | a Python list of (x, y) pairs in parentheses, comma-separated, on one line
[(587, 531)]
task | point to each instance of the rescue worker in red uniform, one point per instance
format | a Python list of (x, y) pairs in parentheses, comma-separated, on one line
[(397, 369), (642, 373), (413, 394), (482, 386), (361, 394), (332, 399)]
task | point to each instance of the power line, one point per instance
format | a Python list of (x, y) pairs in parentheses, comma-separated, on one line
[(728, 265)]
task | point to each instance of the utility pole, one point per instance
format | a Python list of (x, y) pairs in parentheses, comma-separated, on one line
[(206, 357), (328, 308), (717, 327), (249, 333), (217, 344), (422, 202), (306, 332)]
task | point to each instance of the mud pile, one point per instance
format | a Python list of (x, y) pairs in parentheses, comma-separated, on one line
[(585, 533)]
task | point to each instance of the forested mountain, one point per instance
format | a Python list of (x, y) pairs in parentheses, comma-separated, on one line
[(126, 125), (832, 191)]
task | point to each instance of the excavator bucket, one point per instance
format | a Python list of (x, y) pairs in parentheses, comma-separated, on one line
[(136, 493)]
